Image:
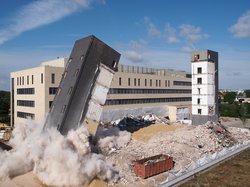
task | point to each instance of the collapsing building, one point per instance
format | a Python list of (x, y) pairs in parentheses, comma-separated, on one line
[(204, 87), (84, 86)]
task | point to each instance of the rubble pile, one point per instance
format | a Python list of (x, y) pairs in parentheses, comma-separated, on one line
[(132, 123), (184, 145)]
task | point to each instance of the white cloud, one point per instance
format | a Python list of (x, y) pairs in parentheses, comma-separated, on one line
[(137, 45), (170, 34), (39, 13), (152, 29), (191, 33), (133, 56), (242, 28)]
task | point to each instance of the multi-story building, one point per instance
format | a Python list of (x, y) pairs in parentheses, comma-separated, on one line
[(33, 90), (204, 86), (132, 88)]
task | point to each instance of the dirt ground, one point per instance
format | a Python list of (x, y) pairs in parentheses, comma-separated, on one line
[(234, 122)]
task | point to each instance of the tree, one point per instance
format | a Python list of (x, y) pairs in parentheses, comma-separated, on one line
[(230, 97), (4, 107), (247, 92)]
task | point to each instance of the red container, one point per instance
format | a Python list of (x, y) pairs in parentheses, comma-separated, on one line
[(154, 165)]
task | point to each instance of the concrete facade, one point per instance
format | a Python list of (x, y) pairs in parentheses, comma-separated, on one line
[(132, 88), (204, 86)]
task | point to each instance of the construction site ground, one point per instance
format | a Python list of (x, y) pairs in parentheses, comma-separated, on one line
[(185, 143), (233, 172)]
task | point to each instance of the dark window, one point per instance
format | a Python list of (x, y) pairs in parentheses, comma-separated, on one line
[(147, 100), (134, 81), (28, 80), (128, 81), (53, 78), (139, 82), (156, 83), (166, 83), (199, 70), (52, 90), (32, 79), (169, 84), (159, 83), (50, 104), (181, 83), (26, 103), (120, 81), (148, 91), (25, 91), (198, 101), (22, 80), (145, 82), (199, 111), (188, 76), (199, 91), (150, 82), (199, 80), (25, 115), (17, 81), (41, 78)]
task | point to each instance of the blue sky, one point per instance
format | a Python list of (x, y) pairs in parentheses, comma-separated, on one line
[(159, 33)]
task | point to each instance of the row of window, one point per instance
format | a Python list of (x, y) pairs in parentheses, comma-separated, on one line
[(147, 91), (20, 80), (182, 83), (25, 91), (26, 103), (146, 82), (148, 100), (25, 115)]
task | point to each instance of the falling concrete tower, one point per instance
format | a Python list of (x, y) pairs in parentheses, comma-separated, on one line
[(204, 86)]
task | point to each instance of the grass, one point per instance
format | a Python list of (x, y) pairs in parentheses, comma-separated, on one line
[(231, 173)]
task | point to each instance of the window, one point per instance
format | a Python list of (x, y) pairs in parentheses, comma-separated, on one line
[(134, 81), (53, 78), (145, 82), (25, 103), (50, 104), (28, 80), (160, 83), (169, 84), (150, 82), (52, 90), (198, 101), (21, 91), (196, 57), (199, 70), (139, 82), (199, 111), (148, 91), (128, 81), (199, 80), (22, 80), (156, 83), (181, 83), (25, 115), (166, 83), (41, 78), (199, 91), (120, 81), (32, 79), (17, 81)]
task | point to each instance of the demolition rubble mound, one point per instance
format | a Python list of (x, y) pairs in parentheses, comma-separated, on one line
[(184, 143)]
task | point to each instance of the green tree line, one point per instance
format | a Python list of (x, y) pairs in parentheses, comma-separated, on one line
[(4, 107)]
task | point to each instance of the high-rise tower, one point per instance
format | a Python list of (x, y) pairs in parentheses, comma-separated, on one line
[(204, 86)]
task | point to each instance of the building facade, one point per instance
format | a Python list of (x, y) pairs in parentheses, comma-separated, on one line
[(204, 86), (132, 87), (33, 90)]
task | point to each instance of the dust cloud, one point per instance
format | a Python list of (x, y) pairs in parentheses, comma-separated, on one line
[(55, 159)]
